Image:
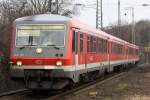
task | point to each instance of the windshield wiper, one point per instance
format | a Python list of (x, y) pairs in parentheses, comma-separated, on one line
[(55, 46), (32, 45), (21, 47)]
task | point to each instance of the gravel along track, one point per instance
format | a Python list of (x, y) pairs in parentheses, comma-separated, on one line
[(83, 88)]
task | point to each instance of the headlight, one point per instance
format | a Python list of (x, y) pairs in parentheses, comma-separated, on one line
[(39, 50), (19, 63), (59, 63)]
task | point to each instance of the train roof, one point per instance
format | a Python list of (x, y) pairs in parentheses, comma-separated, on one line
[(43, 18)]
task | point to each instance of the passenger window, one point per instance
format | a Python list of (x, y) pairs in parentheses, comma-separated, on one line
[(88, 43), (91, 43), (81, 42), (73, 41), (94, 44)]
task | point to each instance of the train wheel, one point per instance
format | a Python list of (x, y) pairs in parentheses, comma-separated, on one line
[(106, 71), (70, 86), (114, 69)]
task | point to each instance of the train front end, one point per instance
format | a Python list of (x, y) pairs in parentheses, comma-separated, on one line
[(39, 51)]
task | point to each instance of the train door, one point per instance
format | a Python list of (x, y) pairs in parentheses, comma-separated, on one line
[(127, 53), (81, 51), (108, 53), (80, 56), (75, 47)]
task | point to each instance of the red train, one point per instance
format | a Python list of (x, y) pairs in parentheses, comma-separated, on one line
[(52, 51)]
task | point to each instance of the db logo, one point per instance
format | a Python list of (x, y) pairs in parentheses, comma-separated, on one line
[(38, 62), (91, 58)]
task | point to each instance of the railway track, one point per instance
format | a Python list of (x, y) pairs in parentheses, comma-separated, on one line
[(77, 90), (13, 92)]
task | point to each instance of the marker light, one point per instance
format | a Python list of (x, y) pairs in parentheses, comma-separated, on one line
[(19, 63), (59, 63), (11, 62)]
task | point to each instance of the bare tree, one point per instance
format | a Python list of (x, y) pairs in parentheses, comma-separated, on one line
[(39, 6), (12, 9)]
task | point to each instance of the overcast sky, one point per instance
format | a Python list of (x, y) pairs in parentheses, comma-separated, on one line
[(110, 12)]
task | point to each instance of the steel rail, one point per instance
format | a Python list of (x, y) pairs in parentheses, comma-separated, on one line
[(13, 92)]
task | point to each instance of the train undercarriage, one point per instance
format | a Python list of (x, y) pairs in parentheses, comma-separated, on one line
[(49, 79), (44, 79)]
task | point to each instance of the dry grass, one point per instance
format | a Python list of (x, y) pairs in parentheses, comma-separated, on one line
[(137, 97)]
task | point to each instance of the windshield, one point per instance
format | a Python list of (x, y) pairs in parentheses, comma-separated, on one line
[(40, 35)]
